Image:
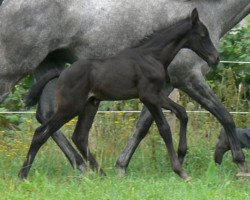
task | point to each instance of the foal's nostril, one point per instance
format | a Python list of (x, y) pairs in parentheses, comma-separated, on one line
[(214, 60), (217, 60)]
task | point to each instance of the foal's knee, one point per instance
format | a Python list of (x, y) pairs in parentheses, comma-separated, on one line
[(182, 114)]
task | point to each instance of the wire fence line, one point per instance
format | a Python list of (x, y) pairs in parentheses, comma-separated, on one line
[(125, 111), (234, 62)]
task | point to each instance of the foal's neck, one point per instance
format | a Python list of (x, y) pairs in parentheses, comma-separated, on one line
[(165, 44)]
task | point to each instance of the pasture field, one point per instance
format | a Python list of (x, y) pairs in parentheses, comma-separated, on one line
[(149, 174)]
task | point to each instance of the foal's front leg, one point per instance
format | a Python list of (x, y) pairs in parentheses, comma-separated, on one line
[(154, 107), (142, 126), (181, 114), (81, 134)]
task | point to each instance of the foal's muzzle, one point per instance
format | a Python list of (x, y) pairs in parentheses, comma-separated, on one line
[(213, 60)]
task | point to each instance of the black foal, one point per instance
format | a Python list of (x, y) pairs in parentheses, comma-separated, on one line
[(138, 72)]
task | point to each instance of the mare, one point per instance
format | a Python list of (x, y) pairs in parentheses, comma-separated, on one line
[(47, 34), (138, 72)]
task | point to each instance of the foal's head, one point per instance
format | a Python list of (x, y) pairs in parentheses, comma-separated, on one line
[(199, 41)]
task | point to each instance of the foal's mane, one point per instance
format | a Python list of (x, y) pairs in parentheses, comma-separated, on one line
[(172, 31)]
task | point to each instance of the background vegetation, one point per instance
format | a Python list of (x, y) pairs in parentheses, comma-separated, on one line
[(149, 174)]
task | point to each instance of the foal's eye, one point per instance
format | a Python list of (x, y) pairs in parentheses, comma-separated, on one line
[(203, 35)]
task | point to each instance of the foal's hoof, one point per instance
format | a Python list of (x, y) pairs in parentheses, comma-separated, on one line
[(184, 175), (23, 174), (102, 172), (243, 175), (188, 180)]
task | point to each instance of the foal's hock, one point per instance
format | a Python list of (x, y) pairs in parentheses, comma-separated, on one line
[(138, 72)]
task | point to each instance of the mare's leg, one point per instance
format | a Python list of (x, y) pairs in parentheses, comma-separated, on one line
[(40, 136), (46, 108), (69, 151), (81, 133), (165, 132), (196, 87), (142, 126), (181, 114)]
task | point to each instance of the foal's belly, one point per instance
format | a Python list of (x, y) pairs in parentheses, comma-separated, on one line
[(114, 88), (113, 95)]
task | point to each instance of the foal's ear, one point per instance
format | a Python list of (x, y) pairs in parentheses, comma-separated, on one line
[(194, 16)]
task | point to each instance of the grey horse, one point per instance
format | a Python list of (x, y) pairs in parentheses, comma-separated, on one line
[(223, 145), (34, 33)]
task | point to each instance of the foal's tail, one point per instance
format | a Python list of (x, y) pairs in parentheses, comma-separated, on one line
[(36, 90)]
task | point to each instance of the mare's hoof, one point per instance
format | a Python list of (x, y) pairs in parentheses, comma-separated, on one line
[(82, 168), (121, 171), (184, 175), (243, 175)]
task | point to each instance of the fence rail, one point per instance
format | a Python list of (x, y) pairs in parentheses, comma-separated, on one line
[(235, 62), (121, 111)]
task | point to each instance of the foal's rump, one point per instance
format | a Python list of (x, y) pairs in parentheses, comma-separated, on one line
[(73, 85), (36, 90)]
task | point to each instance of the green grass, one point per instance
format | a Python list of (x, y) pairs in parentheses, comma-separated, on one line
[(149, 174), (215, 183)]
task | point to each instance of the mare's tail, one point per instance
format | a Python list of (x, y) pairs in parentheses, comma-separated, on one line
[(36, 90)]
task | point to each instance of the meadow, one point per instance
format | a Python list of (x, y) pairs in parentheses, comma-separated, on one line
[(149, 174)]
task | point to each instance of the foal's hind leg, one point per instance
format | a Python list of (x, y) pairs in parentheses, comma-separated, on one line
[(81, 133), (47, 107), (181, 114), (43, 113), (40, 137)]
